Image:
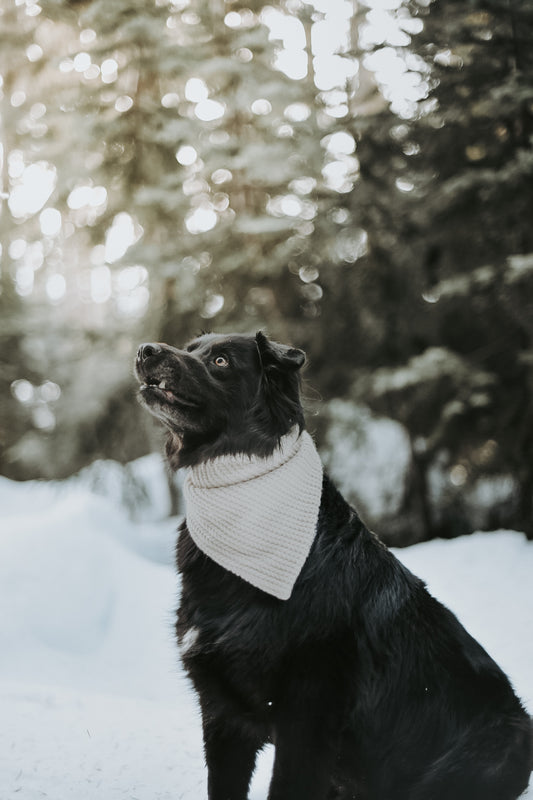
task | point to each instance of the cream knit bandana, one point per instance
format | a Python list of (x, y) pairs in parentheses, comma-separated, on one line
[(256, 517)]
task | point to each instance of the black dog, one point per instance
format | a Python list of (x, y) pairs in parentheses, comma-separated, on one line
[(367, 686)]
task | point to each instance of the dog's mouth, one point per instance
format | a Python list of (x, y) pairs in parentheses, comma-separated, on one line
[(153, 387)]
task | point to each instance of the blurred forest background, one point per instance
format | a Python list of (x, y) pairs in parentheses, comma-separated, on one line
[(354, 178)]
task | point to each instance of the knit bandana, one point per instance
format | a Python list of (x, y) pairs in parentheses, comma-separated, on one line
[(256, 517)]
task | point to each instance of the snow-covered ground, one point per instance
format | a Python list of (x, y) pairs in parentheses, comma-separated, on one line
[(93, 702)]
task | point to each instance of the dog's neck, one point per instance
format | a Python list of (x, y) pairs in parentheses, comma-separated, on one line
[(256, 517), (188, 449)]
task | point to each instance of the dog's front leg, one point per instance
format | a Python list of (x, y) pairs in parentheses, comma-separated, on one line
[(307, 722), (304, 760), (230, 753)]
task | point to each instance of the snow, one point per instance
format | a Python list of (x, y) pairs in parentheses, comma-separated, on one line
[(93, 701), (356, 436)]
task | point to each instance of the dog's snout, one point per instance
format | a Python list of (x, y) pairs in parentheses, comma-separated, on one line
[(148, 350)]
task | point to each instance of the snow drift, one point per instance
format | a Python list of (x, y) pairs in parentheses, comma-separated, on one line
[(92, 698)]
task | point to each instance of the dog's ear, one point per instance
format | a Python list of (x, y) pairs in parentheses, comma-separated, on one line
[(280, 383), (278, 356)]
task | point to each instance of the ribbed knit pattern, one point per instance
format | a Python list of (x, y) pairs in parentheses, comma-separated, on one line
[(256, 517)]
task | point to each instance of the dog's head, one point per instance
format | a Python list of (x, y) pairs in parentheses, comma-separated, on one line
[(221, 394)]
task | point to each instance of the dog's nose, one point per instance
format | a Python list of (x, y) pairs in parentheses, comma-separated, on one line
[(147, 350)]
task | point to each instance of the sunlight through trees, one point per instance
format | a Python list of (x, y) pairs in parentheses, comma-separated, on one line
[(353, 177)]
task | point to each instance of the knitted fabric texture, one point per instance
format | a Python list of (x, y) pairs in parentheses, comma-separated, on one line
[(257, 517)]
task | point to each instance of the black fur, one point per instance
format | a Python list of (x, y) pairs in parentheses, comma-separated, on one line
[(369, 688)]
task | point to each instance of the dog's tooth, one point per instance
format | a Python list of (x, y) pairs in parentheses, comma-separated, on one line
[(162, 384)]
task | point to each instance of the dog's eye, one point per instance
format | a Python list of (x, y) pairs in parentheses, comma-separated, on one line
[(221, 361)]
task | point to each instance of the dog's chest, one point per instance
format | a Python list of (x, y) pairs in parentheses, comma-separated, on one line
[(221, 618), (228, 652)]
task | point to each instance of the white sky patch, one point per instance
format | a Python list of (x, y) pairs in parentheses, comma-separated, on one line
[(33, 9), (340, 175), (15, 164), (287, 29), (49, 391), (123, 103), (97, 255), (92, 72), (18, 98), (244, 54), (196, 91), (83, 196), (220, 201), (303, 185), (135, 303), (332, 71), (50, 221), (120, 236), (109, 70), (34, 52), (24, 280), (202, 219), (293, 63), (33, 255), (308, 274), (261, 107), (33, 189), (382, 28), (212, 306), (66, 65), (132, 294), (404, 185), (330, 38), (209, 110), (17, 248), (232, 19), (340, 142), (290, 205), (297, 112), (82, 61), (221, 176), (22, 390), (352, 245), (389, 5), (43, 417), (37, 110), (170, 100), (56, 287), (100, 284), (130, 278), (87, 35), (194, 186), (331, 34)]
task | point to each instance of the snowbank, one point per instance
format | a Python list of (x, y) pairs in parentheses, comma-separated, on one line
[(92, 698)]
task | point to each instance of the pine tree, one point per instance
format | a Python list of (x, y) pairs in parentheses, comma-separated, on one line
[(170, 126), (446, 198), (21, 64), (258, 172)]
